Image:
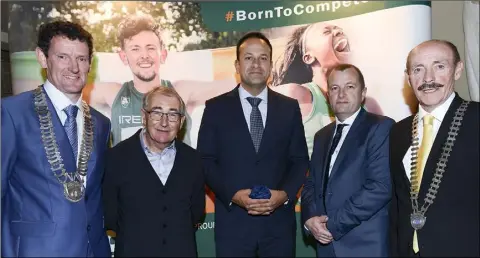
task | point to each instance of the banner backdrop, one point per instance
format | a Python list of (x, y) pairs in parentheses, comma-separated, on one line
[(199, 55)]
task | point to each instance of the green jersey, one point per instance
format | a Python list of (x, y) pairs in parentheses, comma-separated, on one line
[(126, 115)]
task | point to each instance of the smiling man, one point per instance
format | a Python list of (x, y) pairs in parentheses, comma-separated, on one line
[(53, 147), (434, 161), (154, 184), (143, 51)]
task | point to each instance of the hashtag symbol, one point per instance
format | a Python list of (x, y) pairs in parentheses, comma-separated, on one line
[(229, 16)]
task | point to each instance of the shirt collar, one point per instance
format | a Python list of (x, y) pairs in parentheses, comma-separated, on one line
[(350, 119), (244, 94), (59, 100), (145, 148), (439, 112)]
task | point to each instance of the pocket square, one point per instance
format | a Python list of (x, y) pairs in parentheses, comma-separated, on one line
[(260, 192)]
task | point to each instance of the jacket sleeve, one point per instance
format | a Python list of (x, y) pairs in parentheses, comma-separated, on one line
[(297, 157), (110, 189), (9, 148), (207, 146), (309, 207), (198, 197)]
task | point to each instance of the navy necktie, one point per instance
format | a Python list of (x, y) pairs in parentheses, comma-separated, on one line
[(256, 123), (336, 140), (71, 128)]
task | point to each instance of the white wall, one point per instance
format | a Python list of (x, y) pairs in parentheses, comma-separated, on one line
[(447, 24)]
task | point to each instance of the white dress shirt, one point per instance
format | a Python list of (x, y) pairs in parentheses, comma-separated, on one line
[(438, 113), (247, 107), (349, 121), (60, 101), (162, 162)]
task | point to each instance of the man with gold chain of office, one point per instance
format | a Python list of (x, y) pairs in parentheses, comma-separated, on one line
[(434, 161)]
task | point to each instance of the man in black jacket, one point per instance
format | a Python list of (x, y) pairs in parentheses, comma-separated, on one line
[(434, 161), (154, 184)]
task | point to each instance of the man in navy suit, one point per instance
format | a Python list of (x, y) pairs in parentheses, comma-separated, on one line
[(253, 136), (346, 194), (53, 145)]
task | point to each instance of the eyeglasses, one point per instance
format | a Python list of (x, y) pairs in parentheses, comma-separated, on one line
[(157, 115)]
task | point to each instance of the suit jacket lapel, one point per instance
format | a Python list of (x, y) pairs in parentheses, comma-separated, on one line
[(178, 164), (438, 143), (273, 116), (327, 138), (92, 161), (349, 140), (62, 140), (403, 142)]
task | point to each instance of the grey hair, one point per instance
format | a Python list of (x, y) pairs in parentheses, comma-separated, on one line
[(164, 91)]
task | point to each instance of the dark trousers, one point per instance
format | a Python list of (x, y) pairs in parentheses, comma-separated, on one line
[(252, 246), (325, 250)]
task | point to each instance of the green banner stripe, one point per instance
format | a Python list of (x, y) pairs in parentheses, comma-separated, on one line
[(246, 16)]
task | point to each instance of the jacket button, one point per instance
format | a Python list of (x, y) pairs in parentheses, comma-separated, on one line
[(164, 208), (164, 225), (164, 241), (89, 227), (164, 191)]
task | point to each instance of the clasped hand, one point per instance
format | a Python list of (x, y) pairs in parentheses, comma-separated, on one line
[(318, 227), (259, 206)]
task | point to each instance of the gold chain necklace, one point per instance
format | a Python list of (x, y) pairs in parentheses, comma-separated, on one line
[(72, 181), (417, 218)]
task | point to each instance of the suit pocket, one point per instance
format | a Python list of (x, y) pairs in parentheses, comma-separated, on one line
[(33, 228)]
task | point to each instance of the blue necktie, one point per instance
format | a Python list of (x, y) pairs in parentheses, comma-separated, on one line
[(256, 123), (71, 128)]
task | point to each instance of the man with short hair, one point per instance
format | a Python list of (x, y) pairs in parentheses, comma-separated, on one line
[(434, 161), (143, 50), (154, 188), (254, 150), (345, 197), (53, 147)]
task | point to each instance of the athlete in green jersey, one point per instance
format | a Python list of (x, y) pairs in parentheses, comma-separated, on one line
[(126, 116)]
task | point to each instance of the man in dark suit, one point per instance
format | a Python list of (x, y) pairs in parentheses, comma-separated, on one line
[(53, 148), (253, 136), (434, 161), (346, 194), (154, 188)]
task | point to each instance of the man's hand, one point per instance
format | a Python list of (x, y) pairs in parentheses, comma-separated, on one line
[(267, 206), (318, 227), (242, 199)]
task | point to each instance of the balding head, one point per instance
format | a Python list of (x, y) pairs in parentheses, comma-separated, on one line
[(433, 42)]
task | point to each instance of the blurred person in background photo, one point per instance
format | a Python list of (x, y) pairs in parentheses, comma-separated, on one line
[(311, 51)]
